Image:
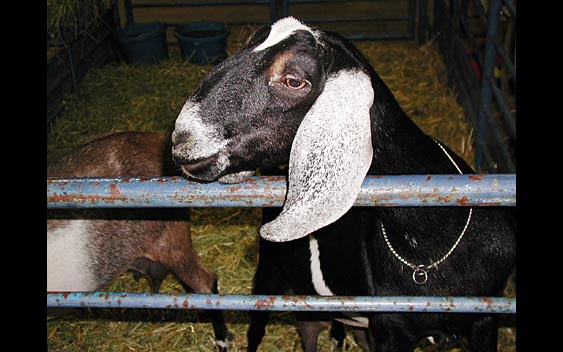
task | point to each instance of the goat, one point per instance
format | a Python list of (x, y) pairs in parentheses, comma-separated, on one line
[(299, 96), (87, 251)]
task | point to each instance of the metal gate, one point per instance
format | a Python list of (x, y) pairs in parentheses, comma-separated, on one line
[(403, 190), (478, 43)]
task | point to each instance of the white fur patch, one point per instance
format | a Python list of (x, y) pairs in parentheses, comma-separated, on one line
[(316, 273), (354, 319), (330, 156), (68, 260), (222, 345), (204, 141), (281, 30), (236, 178)]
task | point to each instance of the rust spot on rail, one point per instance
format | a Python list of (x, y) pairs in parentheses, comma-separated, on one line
[(488, 301), (463, 200), (114, 190), (294, 299), (264, 303)]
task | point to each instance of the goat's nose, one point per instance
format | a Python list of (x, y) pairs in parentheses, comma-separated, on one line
[(180, 138), (181, 146)]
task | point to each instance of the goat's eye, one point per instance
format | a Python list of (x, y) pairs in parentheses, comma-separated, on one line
[(294, 82)]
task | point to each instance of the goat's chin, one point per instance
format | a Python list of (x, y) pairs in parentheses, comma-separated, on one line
[(198, 175), (236, 178), (208, 177)]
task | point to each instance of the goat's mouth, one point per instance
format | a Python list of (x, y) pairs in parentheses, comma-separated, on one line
[(195, 165), (208, 169), (211, 169), (202, 169)]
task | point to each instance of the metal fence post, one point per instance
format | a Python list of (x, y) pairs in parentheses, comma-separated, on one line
[(486, 91), (411, 14), (453, 35), (129, 17), (279, 9), (422, 21), (115, 12)]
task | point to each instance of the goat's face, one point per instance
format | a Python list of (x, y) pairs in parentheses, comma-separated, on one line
[(296, 95), (247, 110)]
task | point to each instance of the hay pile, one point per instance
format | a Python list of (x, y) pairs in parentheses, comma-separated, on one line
[(69, 19), (148, 98)]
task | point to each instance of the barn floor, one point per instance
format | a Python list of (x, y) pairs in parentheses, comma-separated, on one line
[(121, 97)]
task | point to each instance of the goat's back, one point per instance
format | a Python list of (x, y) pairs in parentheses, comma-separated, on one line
[(117, 155)]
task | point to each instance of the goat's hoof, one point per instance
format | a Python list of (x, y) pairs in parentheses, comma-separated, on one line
[(221, 346), (446, 339)]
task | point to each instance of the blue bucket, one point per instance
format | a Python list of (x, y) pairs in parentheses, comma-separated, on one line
[(143, 43), (202, 43)]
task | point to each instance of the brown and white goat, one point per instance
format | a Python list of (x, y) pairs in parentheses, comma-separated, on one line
[(86, 251)]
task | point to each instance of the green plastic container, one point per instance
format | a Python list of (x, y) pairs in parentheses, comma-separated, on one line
[(202, 43), (143, 43)]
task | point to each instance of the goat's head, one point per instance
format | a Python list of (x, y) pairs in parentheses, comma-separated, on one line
[(292, 94)]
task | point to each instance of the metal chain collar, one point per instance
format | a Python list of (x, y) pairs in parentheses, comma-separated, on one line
[(420, 272)]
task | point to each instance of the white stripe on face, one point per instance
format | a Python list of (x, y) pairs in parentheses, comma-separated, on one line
[(316, 273), (281, 30), (204, 140)]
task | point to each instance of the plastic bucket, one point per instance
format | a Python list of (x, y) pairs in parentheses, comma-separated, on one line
[(202, 43), (143, 43)]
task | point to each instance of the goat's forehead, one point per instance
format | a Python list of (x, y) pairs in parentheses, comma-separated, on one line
[(282, 29)]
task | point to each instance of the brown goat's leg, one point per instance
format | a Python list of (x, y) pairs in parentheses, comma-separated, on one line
[(309, 331), (153, 271), (174, 249)]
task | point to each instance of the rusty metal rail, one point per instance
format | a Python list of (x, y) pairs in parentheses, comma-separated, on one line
[(284, 303), (396, 190)]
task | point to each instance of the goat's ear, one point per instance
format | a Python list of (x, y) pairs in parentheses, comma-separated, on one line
[(258, 35), (330, 157)]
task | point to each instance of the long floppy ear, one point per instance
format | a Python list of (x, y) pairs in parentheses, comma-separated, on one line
[(330, 157)]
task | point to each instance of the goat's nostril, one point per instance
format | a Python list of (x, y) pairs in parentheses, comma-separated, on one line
[(180, 137)]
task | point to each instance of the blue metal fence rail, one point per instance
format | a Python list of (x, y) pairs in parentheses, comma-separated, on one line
[(396, 190), (420, 304), (269, 191)]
